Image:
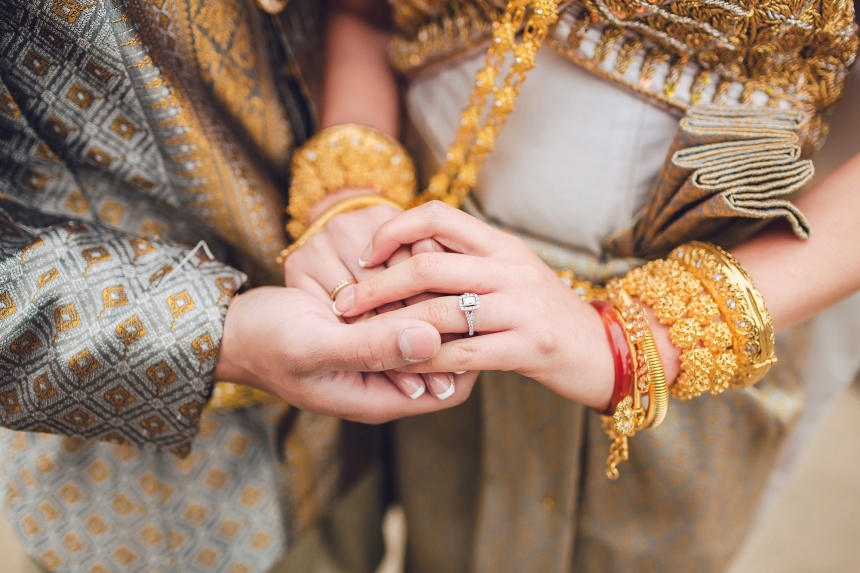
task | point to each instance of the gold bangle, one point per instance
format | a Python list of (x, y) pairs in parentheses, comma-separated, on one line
[(681, 301), (345, 206), (650, 376), (740, 304), (347, 156)]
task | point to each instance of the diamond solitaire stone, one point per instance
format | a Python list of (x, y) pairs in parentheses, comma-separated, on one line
[(469, 301)]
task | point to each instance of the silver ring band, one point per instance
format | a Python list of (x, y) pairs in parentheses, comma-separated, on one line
[(469, 303)]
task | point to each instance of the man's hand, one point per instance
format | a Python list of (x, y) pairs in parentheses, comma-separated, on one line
[(287, 342)]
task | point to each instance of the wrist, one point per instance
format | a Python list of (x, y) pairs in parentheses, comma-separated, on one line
[(602, 363), (333, 199), (670, 356), (229, 367)]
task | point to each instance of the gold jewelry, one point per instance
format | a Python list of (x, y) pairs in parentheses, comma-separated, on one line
[(741, 306), (342, 285), (229, 396), (679, 300), (347, 156), (474, 139), (349, 204), (649, 377)]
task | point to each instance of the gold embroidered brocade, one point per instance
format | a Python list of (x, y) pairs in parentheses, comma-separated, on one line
[(190, 56), (773, 52)]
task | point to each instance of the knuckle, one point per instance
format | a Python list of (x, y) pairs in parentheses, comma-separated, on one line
[(438, 311), (463, 355), (423, 267), (366, 290), (371, 354), (435, 210)]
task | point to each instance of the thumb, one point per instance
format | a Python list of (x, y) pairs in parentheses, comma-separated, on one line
[(381, 344)]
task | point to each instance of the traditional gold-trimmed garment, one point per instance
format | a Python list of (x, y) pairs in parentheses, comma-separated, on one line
[(129, 132), (754, 83), (677, 53)]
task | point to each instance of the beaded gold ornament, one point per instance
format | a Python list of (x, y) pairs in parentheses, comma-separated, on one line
[(347, 156), (490, 103)]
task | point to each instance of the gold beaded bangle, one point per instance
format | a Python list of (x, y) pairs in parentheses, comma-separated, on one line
[(347, 156), (680, 300), (741, 306), (650, 377), (345, 206)]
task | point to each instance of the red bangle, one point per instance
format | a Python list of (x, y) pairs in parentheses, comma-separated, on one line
[(621, 353)]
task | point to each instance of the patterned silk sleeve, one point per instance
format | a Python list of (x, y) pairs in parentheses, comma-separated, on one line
[(105, 335)]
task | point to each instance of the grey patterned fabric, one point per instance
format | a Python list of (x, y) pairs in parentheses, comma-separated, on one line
[(104, 335), (89, 506), (118, 154)]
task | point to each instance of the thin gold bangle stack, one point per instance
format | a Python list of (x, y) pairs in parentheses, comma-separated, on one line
[(716, 318), (345, 206)]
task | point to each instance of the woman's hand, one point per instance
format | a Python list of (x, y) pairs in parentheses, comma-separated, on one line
[(528, 319), (288, 343), (333, 255)]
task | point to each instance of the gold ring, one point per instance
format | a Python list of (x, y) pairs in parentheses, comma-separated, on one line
[(342, 285)]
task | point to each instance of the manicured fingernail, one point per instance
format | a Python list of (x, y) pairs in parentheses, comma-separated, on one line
[(417, 343), (345, 301), (334, 308), (365, 256), (441, 384), (460, 372), (410, 384)]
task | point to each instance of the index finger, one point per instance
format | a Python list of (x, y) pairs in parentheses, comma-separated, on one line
[(454, 229)]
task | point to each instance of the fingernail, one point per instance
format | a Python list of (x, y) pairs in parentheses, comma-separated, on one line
[(345, 301), (365, 256), (417, 343), (410, 384), (441, 384), (460, 372), (334, 308)]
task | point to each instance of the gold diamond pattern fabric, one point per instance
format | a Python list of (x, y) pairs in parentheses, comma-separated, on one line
[(129, 371), (129, 132), (88, 506)]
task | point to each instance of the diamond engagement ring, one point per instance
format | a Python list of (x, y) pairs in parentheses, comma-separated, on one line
[(469, 303)]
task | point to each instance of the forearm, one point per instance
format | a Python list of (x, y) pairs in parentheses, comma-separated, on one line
[(358, 84), (799, 279)]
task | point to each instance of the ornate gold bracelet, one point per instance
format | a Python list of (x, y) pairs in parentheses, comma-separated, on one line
[(347, 156), (741, 306), (345, 206), (680, 301)]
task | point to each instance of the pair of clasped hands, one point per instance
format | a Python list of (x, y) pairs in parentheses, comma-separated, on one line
[(396, 343)]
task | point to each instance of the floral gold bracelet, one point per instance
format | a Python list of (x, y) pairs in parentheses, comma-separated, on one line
[(739, 303), (347, 156)]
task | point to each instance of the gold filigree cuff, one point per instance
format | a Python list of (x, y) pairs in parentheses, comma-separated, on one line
[(347, 156), (740, 304)]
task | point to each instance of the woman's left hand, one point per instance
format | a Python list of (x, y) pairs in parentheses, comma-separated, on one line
[(529, 320)]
